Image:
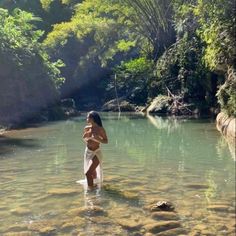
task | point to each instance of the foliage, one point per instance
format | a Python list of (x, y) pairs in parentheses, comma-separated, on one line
[(214, 22), (27, 75), (19, 43), (217, 29), (92, 42), (98, 22), (108, 32), (204, 45), (132, 79), (151, 46), (46, 11), (47, 4), (114, 26), (227, 94), (180, 70), (152, 19), (17, 34), (136, 67)]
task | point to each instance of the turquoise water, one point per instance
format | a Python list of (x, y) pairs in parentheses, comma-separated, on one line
[(182, 161)]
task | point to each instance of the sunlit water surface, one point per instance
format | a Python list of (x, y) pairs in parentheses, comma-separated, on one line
[(182, 161)]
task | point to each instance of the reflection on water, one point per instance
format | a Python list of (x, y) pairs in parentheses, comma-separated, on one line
[(232, 147), (147, 159), (170, 124)]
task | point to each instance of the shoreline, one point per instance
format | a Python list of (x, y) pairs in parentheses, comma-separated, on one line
[(2, 131), (224, 124), (227, 127)]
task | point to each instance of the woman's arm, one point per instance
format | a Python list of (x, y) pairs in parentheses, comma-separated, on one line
[(86, 132), (101, 137)]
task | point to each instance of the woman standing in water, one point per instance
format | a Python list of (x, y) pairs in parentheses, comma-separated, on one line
[(93, 135)]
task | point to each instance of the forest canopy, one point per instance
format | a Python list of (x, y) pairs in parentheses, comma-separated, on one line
[(75, 49)]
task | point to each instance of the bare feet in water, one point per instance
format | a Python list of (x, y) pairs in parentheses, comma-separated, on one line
[(90, 188)]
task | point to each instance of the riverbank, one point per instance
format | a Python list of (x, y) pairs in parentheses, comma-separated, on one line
[(227, 126), (63, 110), (2, 131)]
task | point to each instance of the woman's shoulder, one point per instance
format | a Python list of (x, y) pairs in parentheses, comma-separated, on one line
[(99, 129), (102, 129)]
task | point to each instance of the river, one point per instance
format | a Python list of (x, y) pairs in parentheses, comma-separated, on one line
[(148, 159)]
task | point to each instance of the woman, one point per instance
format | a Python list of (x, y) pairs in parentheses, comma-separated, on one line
[(93, 135)]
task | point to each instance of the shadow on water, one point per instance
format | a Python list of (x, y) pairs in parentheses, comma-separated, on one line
[(121, 195), (8, 144), (108, 191)]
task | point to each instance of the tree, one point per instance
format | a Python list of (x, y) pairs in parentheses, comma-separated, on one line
[(103, 34), (27, 75), (217, 30), (153, 19), (45, 9)]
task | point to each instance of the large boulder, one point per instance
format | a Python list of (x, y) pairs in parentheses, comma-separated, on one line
[(160, 104), (171, 105), (226, 125), (114, 104)]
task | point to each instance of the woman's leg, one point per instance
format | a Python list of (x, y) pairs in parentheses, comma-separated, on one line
[(94, 175), (90, 173)]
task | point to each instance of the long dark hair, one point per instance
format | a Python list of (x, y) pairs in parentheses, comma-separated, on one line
[(96, 118)]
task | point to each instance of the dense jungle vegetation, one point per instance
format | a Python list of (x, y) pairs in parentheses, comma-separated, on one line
[(96, 50)]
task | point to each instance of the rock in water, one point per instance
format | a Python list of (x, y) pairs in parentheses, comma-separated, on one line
[(162, 206)]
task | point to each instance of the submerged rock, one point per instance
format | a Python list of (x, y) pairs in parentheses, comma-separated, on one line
[(43, 227), (23, 233), (195, 233), (40, 198), (173, 232), (197, 186), (118, 211), (68, 225), (128, 195), (3, 208), (72, 223), (162, 226), (129, 224), (89, 210), (207, 232), (148, 234), (164, 215), (17, 228), (62, 191), (200, 227), (47, 230), (220, 208), (102, 220), (20, 211)]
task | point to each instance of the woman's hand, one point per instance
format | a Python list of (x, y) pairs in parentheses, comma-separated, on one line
[(87, 135), (99, 138)]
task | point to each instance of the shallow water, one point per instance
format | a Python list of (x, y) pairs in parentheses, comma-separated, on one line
[(182, 161)]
